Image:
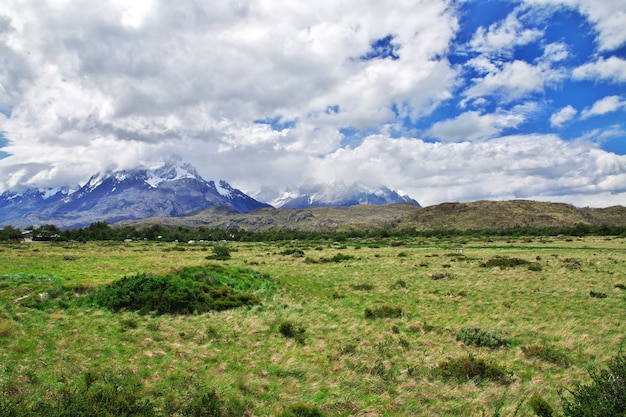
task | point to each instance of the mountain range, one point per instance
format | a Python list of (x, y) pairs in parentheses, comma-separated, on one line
[(335, 194), (169, 190)]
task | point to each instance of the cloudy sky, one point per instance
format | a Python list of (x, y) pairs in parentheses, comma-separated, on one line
[(444, 100)]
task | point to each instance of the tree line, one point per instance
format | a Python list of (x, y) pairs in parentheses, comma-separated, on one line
[(103, 231)]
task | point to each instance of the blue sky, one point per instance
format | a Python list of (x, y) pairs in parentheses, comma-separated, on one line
[(443, 100)]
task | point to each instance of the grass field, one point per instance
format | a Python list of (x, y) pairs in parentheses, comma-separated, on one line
[(380, 328)]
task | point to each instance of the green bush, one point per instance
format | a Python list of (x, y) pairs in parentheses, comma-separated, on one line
[(97, 396), (295, 252), (571, 263), (209, 404), (301, 410), (340, 257), (481, 338), (187, 291), (221, 252), (547, 354), (383, 312), (293, 331), (605, 396), (595, 294), (540, 406), (471, 368), (504, 262), (110, 395), (362, 287)]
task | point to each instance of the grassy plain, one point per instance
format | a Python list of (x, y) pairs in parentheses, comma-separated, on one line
[(347, 362)]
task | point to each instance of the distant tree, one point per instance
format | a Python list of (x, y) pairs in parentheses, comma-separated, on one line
[(10, 233)]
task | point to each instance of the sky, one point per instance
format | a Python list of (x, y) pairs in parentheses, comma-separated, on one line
[(442, 100)]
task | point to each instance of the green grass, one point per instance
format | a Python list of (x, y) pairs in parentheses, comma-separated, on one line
[(347, 364)]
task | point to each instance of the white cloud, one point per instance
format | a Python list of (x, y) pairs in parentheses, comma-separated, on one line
[(563, 116), (87, 86), (513, 80), (608, 18), (472, 125), (555, 52), (612, 69), (198, 74), (605, 105), (539, 167), (502, 37)]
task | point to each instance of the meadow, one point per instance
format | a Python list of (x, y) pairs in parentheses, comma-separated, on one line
[(361, 327)]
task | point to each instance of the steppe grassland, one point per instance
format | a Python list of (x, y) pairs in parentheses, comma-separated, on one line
[(348, 364)]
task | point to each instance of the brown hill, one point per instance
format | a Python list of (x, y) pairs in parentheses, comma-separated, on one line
[(461, 216), (514, 213), (309, 219)]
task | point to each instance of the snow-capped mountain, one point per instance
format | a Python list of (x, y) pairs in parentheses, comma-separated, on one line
[(164, 191), (338, 194)]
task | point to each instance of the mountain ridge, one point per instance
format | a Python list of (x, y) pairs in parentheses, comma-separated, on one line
[(337, 194), (478, 215), (169, 190), (165, 190)]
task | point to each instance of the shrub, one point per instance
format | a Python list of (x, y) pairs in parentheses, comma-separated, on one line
[(362, 287), (540, 406), (605, 396), (383, 312), (481, 338), (98, 396), (6, 328), (595, 294), (301, 410), (504, 262), (471, 368), (221, 252), (187, 291), (571, 263), (293, 331), (295, 252), (547, 354), (399, 284), (439, 275), (209, 404), (340, 257)]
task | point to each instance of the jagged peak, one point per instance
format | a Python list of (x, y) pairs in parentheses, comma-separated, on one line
[(171, 171), (337, 192)]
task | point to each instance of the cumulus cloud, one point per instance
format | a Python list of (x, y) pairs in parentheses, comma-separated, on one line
[(541, 167), (612, 69), (512, 80), (502, 37), (563, 116), (605, 105), (156, 72), (472, 125), (265, 93), (607, 17)]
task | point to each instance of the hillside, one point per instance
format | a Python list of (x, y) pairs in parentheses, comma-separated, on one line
[(514, 213), (460, 216), (309, 219)]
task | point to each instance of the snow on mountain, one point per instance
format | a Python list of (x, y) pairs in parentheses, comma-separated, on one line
[(167, 190), (171, 172), (337, 193)]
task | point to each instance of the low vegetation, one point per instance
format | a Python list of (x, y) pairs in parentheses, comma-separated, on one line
[(191, 290), (471, 368), (377, 326), (481, 338)]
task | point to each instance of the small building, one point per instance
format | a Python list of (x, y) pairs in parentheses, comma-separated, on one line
[(27, 236)]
